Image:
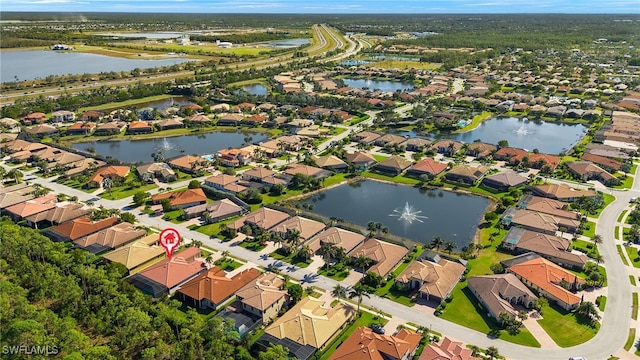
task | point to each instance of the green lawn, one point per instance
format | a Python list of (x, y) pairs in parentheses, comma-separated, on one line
[(380, 157), (631, 339), (632, 279), (122, 192), (124, 104), (633, 256), (396, 179), (475, 122), (565, 328), (590, 230), (634, 307), (339, 276), (626, 182), (602, 302), (289, 259), (624, 259), (622, 214), (586, 247), (172, 216), (365, 319), (227, 264), (389, 291), (608, 199), (76, 185), (252, 245), (616, 232), (465, 310)]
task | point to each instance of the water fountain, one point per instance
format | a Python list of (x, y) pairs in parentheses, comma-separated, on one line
[(165, 145), (522, 130), (408, 214)]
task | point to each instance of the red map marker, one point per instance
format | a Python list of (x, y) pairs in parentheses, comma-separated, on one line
[(169, 240)]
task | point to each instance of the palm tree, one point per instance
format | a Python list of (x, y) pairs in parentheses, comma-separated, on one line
[(328, 251), (293, 237), (597, 239), (492, 352), (15, 174), (449, 246), (225, 255), (304, 252), (359, 291), (362, 262), (437, 242), (277, 240), (339, 291), (588, 310)]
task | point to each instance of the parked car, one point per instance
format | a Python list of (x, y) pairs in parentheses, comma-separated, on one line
[(377, 328)]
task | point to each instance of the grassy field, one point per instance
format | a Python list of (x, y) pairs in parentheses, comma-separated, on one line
[(565, 328), (227, 264), (124, 104), (122, 192), (396, 179), (204, 50), (404, 64), (76, 185)]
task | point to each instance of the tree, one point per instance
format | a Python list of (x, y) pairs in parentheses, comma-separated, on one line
[(274, 352), (589, 311), (339, 291), (503, 143), (450, 246), (141, 197), (358, 291), (362, 262), (128, 217), (492, 352), (276, 190), (597, 239), (293, 238), (295, 291), (437, 242), (373, 280), (166, 205), (304, 252), (194, 184)]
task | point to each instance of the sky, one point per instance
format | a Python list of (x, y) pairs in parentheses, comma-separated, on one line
[(329, 6)]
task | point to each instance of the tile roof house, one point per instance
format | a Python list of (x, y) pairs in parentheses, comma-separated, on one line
[(604, 162), (510, 155), (199, 119), (306, 227), (550, 280), (561, 192), (233, 157), (337, 237), (182, 199), (330, 162), (426, 166), (309, 325), (188, 163), (257, 174), (366, 137), (109, 238), (139, 127), (216, 211), (538, 161), (393, 165), (165, 276), (446, 350), (110, 128), (41, 130), (481, 150), (501, 293), (307, 170), (110, 171), (364, 344), (548, 206), (77, 228), (213, 288), (34, 206), (504, 180), (12, 198), (264, 218), (550, 247), (173, 123), (135, 255), (61, 213), (81, 128), (447, 147), (466, 173), (389, 140), (34, 118), (586, 170), (537, 221), (220, 181), (63, 116), (416, 144), (360, 160), (264, 296), (434, 277), (161, 171), (385, 256)]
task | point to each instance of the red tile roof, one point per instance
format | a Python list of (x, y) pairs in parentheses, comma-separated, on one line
[(214, 285)]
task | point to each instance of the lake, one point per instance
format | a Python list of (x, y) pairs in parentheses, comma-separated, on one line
[(449, 215), (382, 85), (288, 43), (256, 89), (548, 137), (34, 64), (140, 150)]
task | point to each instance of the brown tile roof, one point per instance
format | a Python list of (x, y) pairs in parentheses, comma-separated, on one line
[(437, 279), (112, 237), (549, 245), (395, 162), (447, 350), (601, 160), (77, 228), (305, 170), (262, 292), (360, 157), (41, 129), (215, 286), (264, 218), (547, 276), (258, 173), (428, 166), (184, 197), (384, 255), (306, 227), (217, 209), (467, 171), (541, 221), (495, 291), (507, 178), (584, 168), (481, 149), (364, 344), (510, 154), (200, 118), (33, 206), (136, 253), (549, 160), (10, 199), (561, 191), (221, 180), (186, 161), (549, 206), (337, 237), (181, 267), (310, 323), (60, 213), (109, 171), (330, 161), (134, 125)]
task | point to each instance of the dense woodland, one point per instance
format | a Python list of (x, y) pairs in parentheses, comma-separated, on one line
[(68, 299)]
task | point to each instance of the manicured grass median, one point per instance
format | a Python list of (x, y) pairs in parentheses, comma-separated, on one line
[(622, 216), (602, 302), (566, 328), (634, 307), (630, 339), (620, 252), (632, 279)]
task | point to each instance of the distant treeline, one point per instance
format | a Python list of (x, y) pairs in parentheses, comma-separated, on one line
[(253, 37)]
